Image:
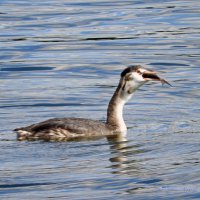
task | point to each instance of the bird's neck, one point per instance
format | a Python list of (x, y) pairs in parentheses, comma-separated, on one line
[(115, 111)]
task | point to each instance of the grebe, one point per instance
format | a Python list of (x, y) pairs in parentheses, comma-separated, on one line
[(76, 128)]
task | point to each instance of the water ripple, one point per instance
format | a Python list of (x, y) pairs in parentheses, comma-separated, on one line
[(64, 59)]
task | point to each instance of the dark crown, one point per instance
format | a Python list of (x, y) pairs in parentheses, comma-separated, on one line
[(129, 69)]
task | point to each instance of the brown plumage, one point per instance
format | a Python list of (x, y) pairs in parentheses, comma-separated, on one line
[(64, 128)]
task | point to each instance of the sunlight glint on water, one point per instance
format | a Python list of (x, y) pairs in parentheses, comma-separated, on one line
[(63, 59)]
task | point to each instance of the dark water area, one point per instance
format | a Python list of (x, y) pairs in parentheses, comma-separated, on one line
[(63, 59)]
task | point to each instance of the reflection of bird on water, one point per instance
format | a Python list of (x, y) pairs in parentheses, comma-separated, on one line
[(71, 128)]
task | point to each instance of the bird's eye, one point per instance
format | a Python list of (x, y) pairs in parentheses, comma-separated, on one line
[(139, 72), (128, 78)]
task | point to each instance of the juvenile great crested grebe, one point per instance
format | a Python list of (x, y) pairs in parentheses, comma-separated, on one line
[(71, 128)]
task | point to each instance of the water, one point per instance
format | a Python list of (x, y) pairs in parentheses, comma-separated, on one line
[(63, 59)]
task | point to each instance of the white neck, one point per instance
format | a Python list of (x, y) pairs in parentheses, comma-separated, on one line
[(122, 94), (128, 84), (115, 111)]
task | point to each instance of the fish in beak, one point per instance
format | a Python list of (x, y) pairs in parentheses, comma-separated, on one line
[(152, 76)]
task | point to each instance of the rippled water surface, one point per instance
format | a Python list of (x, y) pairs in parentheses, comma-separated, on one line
[(63, 59)]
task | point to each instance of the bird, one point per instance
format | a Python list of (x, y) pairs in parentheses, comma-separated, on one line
[(132, 78)]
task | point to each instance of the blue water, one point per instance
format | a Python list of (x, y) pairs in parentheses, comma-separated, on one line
[(63, 59)]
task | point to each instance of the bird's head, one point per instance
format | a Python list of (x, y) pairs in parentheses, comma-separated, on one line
[(135, 76)]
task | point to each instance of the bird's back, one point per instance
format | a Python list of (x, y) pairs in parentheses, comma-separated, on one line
[(64, 128)]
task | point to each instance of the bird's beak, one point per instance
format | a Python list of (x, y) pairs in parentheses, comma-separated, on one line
[(152, 76)]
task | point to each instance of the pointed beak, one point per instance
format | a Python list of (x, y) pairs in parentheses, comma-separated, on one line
[(152, 76)]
